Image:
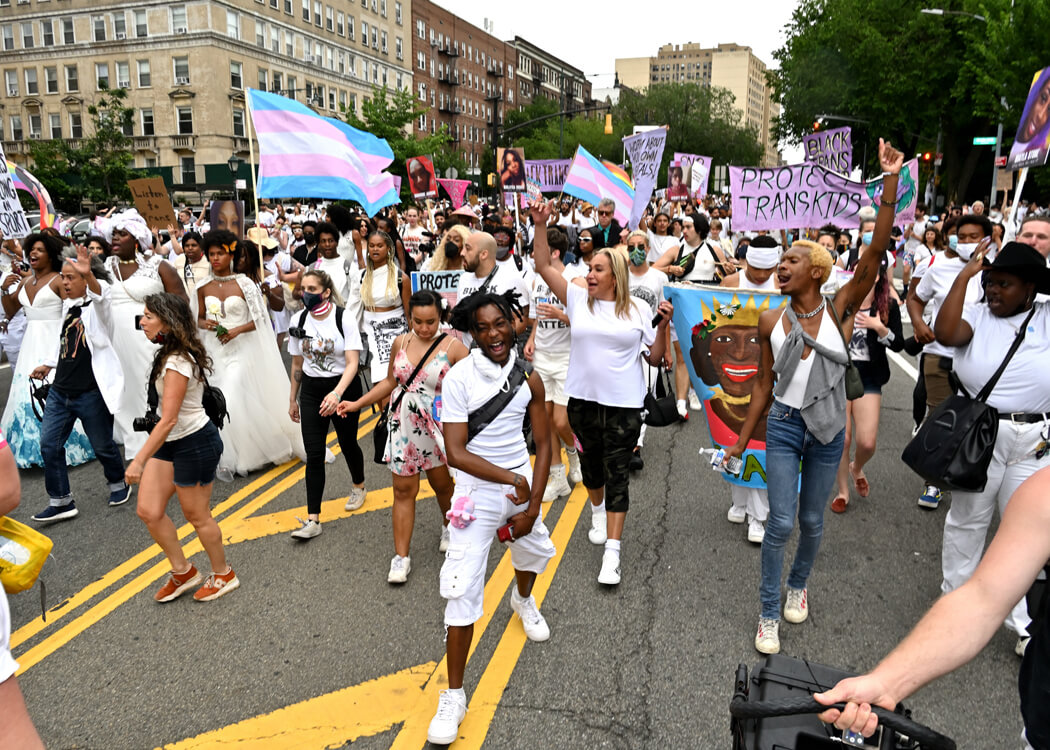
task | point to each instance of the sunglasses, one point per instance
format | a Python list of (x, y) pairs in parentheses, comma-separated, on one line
[(636, 247), (585, 239), (605, 213)]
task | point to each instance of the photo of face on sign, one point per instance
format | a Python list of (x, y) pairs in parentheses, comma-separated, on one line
[(227, 215), (1032, 144), (511, 169), (677, 186), (422, 181)]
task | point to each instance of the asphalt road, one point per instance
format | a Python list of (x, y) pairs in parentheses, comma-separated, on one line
[(649, 664)]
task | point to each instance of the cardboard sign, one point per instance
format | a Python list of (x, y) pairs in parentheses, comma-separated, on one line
[(152, 202), (12, 218), (511, 165), (1032, 143), (832, 149), (422, 182)]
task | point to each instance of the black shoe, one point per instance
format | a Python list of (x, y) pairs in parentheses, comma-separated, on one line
[(636, 463), (53, 513)]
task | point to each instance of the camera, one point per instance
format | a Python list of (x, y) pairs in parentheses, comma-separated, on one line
[(297, 332), (430, 245), (146, 423), (138, 319)]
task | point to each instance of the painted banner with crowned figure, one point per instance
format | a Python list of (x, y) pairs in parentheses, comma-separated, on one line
[(718, 331)]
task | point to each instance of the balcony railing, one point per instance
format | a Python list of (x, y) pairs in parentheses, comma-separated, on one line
[(184, 142)]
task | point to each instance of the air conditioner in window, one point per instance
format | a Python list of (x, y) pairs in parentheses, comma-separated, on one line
[(181, 30), (309, 59), (124, 85), (183, 81), (34, 136), (121, 37)]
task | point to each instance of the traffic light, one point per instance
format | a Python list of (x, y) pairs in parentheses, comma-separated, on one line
[(817, 125), (492, 179), (608, 124), (927, 156)]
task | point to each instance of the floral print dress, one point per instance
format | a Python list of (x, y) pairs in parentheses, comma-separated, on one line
[(415, 441)]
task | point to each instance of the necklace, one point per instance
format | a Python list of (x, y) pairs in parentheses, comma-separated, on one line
[(123, 262), (223, 279), (814, 312)]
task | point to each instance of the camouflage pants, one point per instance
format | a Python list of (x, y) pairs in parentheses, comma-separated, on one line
[(607, 435)]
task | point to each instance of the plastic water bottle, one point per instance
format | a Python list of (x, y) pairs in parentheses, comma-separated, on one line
[(435, 410)]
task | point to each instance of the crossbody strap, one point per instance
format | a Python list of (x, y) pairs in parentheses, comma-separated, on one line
[(838, 325), (483, 416), (415, 372), (987, 390)]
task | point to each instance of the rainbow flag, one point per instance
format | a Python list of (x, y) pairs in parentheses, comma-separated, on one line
[(305, 155), (619, 172), (591, 180)]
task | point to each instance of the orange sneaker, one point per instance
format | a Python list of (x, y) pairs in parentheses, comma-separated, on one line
[(177, 585), (217, 585)]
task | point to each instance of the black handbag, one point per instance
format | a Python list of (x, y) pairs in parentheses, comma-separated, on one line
[(954, 446), (381, 432), (659, 409), (212, 399), (854, 383)]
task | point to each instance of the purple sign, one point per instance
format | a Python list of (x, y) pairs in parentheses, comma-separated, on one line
[(549, 174), (696, 171), (830, 148)]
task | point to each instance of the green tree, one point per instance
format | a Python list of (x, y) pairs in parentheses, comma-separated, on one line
[(52, 166)]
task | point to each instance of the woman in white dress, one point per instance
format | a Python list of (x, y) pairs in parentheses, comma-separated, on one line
[(248, 367), (383, 292), (40, 296), (135, 277)]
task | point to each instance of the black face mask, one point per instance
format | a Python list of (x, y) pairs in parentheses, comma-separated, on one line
[(451, 250), (309, 239)]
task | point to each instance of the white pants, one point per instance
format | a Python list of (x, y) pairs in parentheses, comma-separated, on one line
[(466, 561), (970, 515), (754, 499)]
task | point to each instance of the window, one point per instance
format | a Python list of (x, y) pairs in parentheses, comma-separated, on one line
[(421, 61), (382, 38), (306, 10), (382, 8), (398, 47), (76, 128), (102, 75), (233, 24), (179, 24), (364, 33), (27, 36), (34, 126), (68, 34), (185, 120), (120, 26), (275, 39), (288, 7), (422, 122), (421, 28), (142, 66), (263, 79), (128, 127), (342, 99), (47, 33), (238, 123), (11, 82), (352, 104), (422, 92), (182, 70), (54, 123), (141, 27), (317, 13), (329, 18), (72, 80), (16, 128), (340, 23), (397, 13), (123, 75), (98, 28), (7, 31), (375, 37), (260, 34), (350, 28), (400, 81), (146, 118), (236, 80), (188, 170), (277, 82), (51, 80), (291, 85)]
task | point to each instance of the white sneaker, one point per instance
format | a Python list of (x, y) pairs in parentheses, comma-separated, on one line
[(309, 529), (796, 608), (575, 474), (557, 484), (597, 533), (767, 640), (756, 531), (443, 544), (329, 457), (680, 406), (694, 401), (610, 572), (444, 727), (536, 628), (356, 499), (400, 567), (736, 514)]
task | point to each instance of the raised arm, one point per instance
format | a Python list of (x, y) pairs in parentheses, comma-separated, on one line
[(541, 253)]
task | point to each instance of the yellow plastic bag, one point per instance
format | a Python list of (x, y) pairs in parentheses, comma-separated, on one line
[(23, 551)]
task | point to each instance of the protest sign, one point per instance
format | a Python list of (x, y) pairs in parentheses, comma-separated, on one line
[(1032, 143), (830, 148), (422, 182), (456, 189), (12, 218), (645, 150), (445, 283), (227, 215), (549, 174), (511, 163), (153, 204), (808, 195), (696, 170), (722, 354)]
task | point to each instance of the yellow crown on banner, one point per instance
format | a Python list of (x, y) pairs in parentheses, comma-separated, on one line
[(732, 313)]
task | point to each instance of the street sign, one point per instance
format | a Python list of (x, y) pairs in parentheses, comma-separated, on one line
[(1001, 161), (987, 140)]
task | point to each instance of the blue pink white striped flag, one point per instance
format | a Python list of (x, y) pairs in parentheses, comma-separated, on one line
[(590, 180), (305, 155)]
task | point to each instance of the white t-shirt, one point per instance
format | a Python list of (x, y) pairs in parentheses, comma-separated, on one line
[(411, 237), (526, 272), (324, 349), (605, 362), (192, 416), (921, 260), (565, 220), (552, 335), (933, 288), (660, 244), (1025, 384), (505, 278), (336, 268), (465, 390), (649, 287), (8, 666)]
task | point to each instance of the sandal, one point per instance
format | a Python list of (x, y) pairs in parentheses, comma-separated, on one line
[(861, 482), (839, 504)]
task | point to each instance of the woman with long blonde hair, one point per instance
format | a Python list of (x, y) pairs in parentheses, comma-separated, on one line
[(384, 292), (449, 253)]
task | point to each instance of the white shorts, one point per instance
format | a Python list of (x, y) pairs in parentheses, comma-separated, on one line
[(463, 572), (553, 370), (8, 666)]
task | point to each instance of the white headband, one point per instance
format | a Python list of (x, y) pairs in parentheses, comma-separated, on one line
[(763, 257)]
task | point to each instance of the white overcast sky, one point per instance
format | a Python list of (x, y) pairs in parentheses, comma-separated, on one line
[(591, 34)]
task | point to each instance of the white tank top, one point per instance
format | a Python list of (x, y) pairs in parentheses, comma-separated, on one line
[(827, 336), (769, 285), (704, 266)]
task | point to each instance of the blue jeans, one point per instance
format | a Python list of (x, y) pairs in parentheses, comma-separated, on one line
[(788, 443), (60, 414)]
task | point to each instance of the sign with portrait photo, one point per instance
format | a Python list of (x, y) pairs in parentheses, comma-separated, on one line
[(227, 215), (1032, 143), (422, 181), (696, 171), (511, 164)]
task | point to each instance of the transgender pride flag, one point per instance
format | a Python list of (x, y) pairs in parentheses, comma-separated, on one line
[(302, 154), (590, 180)]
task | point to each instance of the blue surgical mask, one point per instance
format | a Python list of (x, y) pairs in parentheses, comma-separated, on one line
[(312, 300), (953, 242), (866, 238)]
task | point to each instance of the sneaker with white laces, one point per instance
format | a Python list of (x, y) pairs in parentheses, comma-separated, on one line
[(445, 539), (930, 498), (308, 530), (444, 727), (216, 585), (597, 532), (756, 531), (796, 607), (329, 457), (536, 628), (694, 401), (557, 484), (575, 474), (610, 572), (736, 514), (767, 640), (356, 499), (400, 567)]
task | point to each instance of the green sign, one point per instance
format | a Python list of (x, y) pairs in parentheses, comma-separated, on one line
[(984, 140)]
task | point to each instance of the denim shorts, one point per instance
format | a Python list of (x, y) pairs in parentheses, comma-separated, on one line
[(195, 457)]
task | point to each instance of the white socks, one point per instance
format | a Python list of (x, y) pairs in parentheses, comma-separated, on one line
[(597, 510), (613, 545)]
